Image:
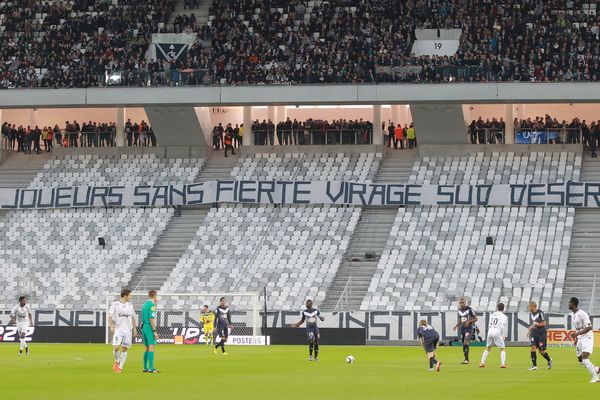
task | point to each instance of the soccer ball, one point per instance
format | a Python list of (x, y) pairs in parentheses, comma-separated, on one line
[(350, 359)]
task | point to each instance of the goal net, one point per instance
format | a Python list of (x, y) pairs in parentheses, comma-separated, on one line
[(178, 317)]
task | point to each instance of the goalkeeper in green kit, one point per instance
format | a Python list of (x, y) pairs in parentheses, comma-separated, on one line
[(149, 335)]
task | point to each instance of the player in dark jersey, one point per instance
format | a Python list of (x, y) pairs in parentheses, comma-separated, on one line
[(223, 324), (311, 315), (465, 326), (429, 339), (537, 335)]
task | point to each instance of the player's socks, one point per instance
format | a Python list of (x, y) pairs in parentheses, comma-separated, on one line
[(590, 367), (146, 361), (222, 347), (151, 360), (503, 357), (432, 362), (116, 354), (547, 357), (316, 350), (310, 350), (466, 351), (123, 359), (484, 357)]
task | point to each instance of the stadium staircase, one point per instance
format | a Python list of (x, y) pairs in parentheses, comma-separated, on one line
[(201, 13), (354, 275), (218, 167), (182, 228), (168, 249), (584, 252), (396, 166), (18, 170)]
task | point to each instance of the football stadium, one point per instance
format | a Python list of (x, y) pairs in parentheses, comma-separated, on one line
[(267, 199)]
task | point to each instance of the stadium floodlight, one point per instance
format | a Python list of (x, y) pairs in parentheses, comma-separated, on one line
[(178, 316)]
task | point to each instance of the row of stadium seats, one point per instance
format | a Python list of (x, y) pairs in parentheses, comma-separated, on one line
[(315, 166), (294, 251), (117, 170), (53, 254), (436, 254), (498, 168)]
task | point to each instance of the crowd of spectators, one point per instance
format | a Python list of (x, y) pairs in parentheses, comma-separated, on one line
[(26, 139), (77, 43), (350, 41), (538, 130), (81, 43), (487, 132), (294, 132), (400, 137)]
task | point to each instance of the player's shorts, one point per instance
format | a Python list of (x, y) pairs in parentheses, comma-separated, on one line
[(539, 341), (148, 336), (22, 327), (122, 339), (431, 344), (584, 345), (312, 335), (467, 333), (209, 329), (223, 331), (496, 338)]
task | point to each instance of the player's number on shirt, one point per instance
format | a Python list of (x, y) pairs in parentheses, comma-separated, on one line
[(494, 321)]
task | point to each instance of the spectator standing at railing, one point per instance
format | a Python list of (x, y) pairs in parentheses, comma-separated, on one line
[(239, 135), (12, 138), (228, 141), (595, 139), (271, 131), (586, 134), (84, 134), (473, 132), (57, 135), (411, 136), (36, 136), (129, 132), (279, 128), (5, 135), (399, 137), (391, 133), (288, 137)]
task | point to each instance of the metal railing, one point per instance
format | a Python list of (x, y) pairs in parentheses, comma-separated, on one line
[(143, 77), (142, 281), (311, 136), (343, 300), (486, 136)]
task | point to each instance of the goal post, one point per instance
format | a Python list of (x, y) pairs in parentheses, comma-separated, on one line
[(178, 317)]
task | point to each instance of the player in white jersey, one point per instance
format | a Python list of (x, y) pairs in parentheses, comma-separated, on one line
[(583, 337), (497, 331), (21, 315), (122, 323)]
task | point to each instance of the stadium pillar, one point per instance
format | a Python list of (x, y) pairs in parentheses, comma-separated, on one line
[(377, 135), (176, 125), (509, 130), (247, 138), (33, 114), (396, 115), (442, 123), (120, 139)]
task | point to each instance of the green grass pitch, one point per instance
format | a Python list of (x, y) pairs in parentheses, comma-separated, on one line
[(81, 372)]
